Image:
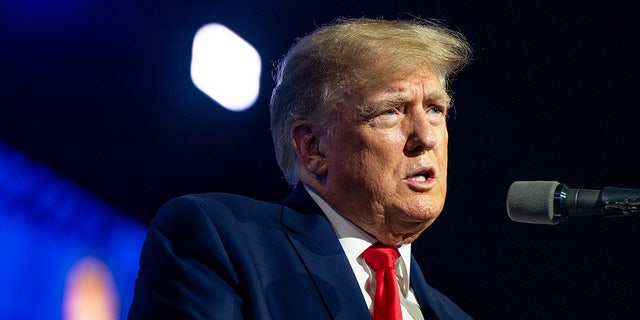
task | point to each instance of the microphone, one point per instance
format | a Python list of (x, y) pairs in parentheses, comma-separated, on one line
[(551, 202)]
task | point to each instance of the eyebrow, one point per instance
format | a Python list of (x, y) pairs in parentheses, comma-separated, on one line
[(371, 108), (440, 97), (391, 101), (398, 99)]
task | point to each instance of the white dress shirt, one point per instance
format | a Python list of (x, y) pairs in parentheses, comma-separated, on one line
[(354, 241)]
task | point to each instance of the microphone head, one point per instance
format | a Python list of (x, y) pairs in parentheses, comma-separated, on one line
[(532, 201)]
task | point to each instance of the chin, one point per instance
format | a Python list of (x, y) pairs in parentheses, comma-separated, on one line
[(425, 210)]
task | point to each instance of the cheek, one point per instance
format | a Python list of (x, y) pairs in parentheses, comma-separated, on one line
[(387, 147), (445, 157), (371, 166), (444, 145), (377, 145), (396, 138)]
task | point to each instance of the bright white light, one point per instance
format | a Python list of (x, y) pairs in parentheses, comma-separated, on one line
[(225, 67)]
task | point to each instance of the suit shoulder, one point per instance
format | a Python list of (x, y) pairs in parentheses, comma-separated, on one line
[(217, 207), (225, 199)]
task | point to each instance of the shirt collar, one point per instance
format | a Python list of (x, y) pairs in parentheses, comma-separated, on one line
[(354, 241)]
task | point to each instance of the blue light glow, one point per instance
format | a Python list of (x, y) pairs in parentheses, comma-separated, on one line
[(48, 225)]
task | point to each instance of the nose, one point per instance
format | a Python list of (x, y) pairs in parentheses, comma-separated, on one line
[(422, 135)]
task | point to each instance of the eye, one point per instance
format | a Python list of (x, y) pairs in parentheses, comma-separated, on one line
[(437, 114), (389, 112), (386, 117), (436, 109)]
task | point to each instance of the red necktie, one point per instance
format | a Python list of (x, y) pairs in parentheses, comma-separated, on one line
[(386, 303)]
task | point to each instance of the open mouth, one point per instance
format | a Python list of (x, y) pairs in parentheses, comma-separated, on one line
[(422, 175), (419, 177)]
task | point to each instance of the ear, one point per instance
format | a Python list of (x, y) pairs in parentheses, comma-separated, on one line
[(306, 139)]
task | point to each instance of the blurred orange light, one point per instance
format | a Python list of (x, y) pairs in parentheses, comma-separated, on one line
[(90, 292)]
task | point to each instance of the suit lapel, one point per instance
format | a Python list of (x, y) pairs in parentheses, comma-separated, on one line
[(421, 290), (315, 242)]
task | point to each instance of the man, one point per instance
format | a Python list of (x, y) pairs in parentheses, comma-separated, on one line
[(358, 118)]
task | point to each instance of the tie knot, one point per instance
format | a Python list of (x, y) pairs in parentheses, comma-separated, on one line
[(379, 256)]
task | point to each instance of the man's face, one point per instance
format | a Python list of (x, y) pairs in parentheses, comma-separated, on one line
[(387, 158)]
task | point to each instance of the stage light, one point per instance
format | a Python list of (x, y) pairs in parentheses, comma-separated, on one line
[(90, 292), (225, 67), (66, 254)]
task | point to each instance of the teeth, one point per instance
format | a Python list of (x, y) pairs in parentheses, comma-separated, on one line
[(419, 178)]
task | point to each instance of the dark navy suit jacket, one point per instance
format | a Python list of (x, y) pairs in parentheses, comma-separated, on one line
[(222, 256)]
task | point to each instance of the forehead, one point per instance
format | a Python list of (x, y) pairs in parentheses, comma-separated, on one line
[(420, 83)]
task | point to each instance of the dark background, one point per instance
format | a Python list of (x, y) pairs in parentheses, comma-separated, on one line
[(100, 91)]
